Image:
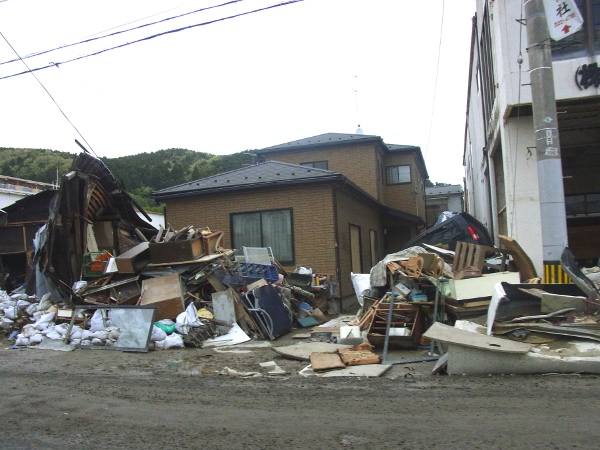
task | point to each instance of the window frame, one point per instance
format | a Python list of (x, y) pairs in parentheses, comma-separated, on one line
[(262, 231), (312, 164), (387, 177)]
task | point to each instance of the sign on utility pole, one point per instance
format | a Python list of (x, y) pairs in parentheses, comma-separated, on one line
[(563, 18)]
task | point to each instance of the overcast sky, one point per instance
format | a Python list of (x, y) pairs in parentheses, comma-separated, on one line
[(265, 78)]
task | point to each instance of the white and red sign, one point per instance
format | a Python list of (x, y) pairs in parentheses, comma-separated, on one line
[(563, 18)]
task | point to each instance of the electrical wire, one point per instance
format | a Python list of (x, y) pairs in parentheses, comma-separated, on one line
[(50, 95), (147, 38), (437, 72), (91, 39), (516, 153)]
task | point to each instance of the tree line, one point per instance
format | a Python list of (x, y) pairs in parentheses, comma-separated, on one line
[(152, 171)]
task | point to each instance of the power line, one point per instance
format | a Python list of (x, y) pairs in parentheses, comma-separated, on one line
[(50, 95), (57, 64), (85, 41)]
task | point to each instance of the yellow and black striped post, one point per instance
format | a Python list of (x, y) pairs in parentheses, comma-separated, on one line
[(554, 273)]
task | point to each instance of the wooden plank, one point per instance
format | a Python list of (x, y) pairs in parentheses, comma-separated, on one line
[(446, 333), (521, 259)]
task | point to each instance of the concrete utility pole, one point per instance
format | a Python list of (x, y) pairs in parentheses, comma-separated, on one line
[(545, 123)]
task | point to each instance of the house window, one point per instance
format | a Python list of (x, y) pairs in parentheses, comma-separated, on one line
[(316, 164), (397, 174), (265, 229)]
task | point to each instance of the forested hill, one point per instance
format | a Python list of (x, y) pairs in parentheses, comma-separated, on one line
[(139, 174)]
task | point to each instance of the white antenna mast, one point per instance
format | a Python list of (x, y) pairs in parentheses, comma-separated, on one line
[(355, 89)]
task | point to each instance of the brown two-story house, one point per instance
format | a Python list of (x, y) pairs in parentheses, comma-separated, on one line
[(336, 203)]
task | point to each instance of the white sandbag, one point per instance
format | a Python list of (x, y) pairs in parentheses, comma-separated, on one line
[(96, 341), (86, 335), (102, 335), (113, 333), (76, 333), (6, 323), (22, 304), (22, 340), (29, 330), (97, 321), (45, 302), (360, 282), (157, 334), (32, 309), (53, 334), (61, 329), (36, 339), (43, 322), (173, 341), (11, 312), (182, 323), (17, 297)]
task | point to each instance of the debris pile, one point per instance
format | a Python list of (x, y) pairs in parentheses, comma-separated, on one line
[(97, 275)]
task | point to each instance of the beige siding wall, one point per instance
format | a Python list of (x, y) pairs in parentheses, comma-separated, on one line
[(357, 162), (406, 197), (312, 210), (355, 212)]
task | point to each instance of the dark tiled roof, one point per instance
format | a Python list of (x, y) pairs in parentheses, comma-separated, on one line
[(323, 140), (401, 148), (258, 175)]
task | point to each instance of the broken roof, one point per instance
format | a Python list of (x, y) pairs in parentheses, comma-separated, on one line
[(258, 175)]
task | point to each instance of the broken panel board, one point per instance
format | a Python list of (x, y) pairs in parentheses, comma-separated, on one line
[(480, 287), (452, 335)]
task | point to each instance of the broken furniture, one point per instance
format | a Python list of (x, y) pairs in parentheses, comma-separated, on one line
[(470, 297), (134, 259), (122, 292), (166, 293), (268, 310), (405, 327)]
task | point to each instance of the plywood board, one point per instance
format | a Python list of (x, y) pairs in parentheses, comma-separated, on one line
[(452, 335), (481, 287), (302, 351), (224, 306)]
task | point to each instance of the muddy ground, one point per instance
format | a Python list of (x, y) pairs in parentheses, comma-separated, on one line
[(177, 399)]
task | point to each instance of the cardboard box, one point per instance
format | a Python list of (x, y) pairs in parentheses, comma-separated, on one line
[(166, 293), (134, 259), (178, 251)]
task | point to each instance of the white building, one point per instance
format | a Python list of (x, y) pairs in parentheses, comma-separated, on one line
[(442, 198), (13, 189), (501, 188)]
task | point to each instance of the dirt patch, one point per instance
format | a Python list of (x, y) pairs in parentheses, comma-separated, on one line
[(176, 399)]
